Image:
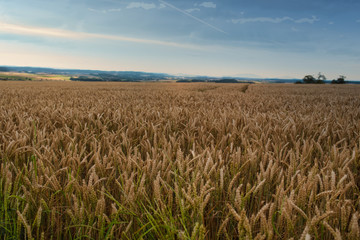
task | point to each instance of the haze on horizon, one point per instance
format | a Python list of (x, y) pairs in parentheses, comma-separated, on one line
[(244, 38)]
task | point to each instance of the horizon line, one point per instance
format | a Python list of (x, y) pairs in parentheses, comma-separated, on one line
[(171, 74)]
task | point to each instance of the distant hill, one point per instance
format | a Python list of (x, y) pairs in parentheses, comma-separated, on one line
[(4, 69), (86, 75), (135, 76)]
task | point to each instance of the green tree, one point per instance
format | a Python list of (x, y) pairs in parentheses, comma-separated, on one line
[(340, 80), (309, 79), (321, 78)]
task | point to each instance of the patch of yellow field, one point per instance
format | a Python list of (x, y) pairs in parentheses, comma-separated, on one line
[(34, 77)]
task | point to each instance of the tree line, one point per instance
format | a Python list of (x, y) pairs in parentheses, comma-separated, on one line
[(310, 79)]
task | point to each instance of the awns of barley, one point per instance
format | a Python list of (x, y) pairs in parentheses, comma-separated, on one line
[(171, 160)]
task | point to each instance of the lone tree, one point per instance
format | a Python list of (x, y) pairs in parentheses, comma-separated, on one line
[(321, 78), (309, 79), (340, 80)]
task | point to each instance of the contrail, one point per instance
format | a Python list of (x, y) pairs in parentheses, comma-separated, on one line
[(193, 17)]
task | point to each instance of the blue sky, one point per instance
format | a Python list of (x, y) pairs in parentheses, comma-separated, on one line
[(249, 38)]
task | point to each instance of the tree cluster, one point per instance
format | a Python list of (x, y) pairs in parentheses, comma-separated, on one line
[(310, 79)]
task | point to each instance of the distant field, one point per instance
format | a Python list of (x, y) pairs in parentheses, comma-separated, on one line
[(179, 161), (14, 76)]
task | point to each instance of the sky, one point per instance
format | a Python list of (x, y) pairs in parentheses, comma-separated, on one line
[(238, 38)]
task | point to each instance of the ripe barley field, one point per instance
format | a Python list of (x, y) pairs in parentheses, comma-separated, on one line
[(179, 161)]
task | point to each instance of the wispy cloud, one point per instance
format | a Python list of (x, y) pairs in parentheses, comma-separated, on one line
[(274, 20), (358, 21), (66, 34), (146, 6), (193, 17), (105, 10), (207, 5), (192, 10), (306, 20), (114, 10), (96, 10)]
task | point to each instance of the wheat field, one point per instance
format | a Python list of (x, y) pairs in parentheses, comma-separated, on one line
[(179, 161)]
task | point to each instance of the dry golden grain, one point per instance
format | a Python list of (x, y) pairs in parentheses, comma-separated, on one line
[(223, 226), (221, 178), (302, 213), (90, 159), (234, 213), (354, 226), (22, 219), (38, 217)]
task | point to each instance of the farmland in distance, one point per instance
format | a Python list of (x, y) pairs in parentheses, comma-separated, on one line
[(179, 161)]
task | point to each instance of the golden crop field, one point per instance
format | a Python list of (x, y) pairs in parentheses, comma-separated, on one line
[(179, 161), (18, 76)]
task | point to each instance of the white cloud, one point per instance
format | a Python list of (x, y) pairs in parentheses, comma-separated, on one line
[(274, 20), (358, 21), (331, 23), (192, 10), (207, 5), (143, 5), (306, 20), (114, 10), (97, 11), (162, 6), (105, 10)]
